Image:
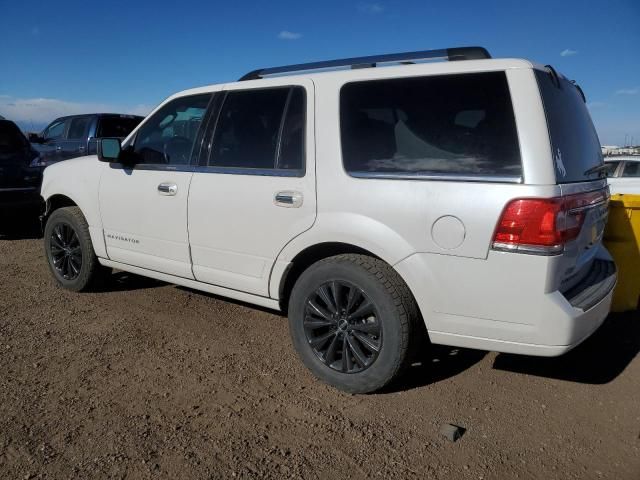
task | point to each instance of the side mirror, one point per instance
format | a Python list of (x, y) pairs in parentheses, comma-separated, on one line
[(35, 138), (109, 149)]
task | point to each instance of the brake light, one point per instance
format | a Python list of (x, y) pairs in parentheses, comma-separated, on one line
[(543, 225)]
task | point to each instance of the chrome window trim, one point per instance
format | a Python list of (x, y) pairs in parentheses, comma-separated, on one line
[(204, 169), (438, 177)]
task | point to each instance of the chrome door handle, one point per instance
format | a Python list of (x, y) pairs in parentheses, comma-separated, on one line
[(288, 199), (167, 189), (58, 149)]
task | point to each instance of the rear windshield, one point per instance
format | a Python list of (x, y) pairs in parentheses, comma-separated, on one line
[(11, 138), (574, 140), (435, 125), (117, 126)]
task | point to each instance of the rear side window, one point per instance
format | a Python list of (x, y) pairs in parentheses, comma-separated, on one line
[(437, 125), (78, 128), (574, 140), (117, 126), (260, 129), (631, 169)]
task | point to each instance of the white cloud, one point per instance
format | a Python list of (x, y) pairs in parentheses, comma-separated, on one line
[(567, 52), (592, 105), (287, 35), (370, 8), (38, 111), (628, 91)]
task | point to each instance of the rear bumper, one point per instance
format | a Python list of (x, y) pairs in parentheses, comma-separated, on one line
[(499, 304)]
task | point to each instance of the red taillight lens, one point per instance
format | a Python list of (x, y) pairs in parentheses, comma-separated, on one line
[(530, 221), (543, 225)]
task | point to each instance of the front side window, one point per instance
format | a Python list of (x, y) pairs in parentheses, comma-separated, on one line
[(54, 131), (631, 169), (437, 125), (260, 129), (168, 136), (78, 128)]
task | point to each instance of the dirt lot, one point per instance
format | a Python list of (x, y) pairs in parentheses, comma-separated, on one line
[(148, 380)]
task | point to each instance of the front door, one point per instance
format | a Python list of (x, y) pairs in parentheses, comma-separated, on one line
[(74, 142), (144, 205), (50, 149), (255, 188)]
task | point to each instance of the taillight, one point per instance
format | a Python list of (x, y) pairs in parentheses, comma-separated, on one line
[(543, 225)]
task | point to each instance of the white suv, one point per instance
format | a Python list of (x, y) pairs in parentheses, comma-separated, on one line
[(460, 202), (624, 174)]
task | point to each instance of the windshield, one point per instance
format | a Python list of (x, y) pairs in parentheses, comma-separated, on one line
[(575, 145)]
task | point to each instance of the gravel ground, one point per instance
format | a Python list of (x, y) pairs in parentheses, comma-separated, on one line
[(149, 380)]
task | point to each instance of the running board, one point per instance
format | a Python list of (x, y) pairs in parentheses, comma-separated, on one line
[(185, 282)]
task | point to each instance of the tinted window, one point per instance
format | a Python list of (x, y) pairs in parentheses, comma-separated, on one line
[(11, 138), (631, 169), (574, 141), (117, 126), (55, 130), (449, 124), (78, 128), (168, 136), (611, 168), (250, 125), (291, 153)]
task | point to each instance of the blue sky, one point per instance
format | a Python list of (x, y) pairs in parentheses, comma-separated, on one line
[(71, 57)]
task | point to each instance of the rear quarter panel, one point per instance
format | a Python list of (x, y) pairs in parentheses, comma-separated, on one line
[(395, 219)]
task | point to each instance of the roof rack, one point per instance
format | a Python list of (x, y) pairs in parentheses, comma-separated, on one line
[(460, 53)]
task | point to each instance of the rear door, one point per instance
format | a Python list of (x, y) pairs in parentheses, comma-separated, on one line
[(579, 167), (255, 188)]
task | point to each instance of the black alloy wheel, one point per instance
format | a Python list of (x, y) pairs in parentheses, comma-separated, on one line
[(343, 327), (66, 251)]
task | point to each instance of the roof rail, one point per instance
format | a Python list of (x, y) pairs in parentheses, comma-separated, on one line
[(460, 53)]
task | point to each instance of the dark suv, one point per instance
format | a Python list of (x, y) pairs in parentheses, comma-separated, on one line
[(77, 135), (20, 169)]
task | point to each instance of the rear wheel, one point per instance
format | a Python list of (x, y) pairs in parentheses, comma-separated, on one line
[(69, 250), (351, 318)]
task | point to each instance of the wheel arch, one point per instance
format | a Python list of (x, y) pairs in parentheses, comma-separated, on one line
[(76, 182), (307, 257), (56, 201)]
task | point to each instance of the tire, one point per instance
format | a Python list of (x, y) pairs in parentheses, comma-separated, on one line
[(376, 311), (69, 251)]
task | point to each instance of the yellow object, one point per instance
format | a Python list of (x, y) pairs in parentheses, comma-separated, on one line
[(622, 239)]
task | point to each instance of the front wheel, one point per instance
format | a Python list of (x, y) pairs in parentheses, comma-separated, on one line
[(69, 251), (351, 318)]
